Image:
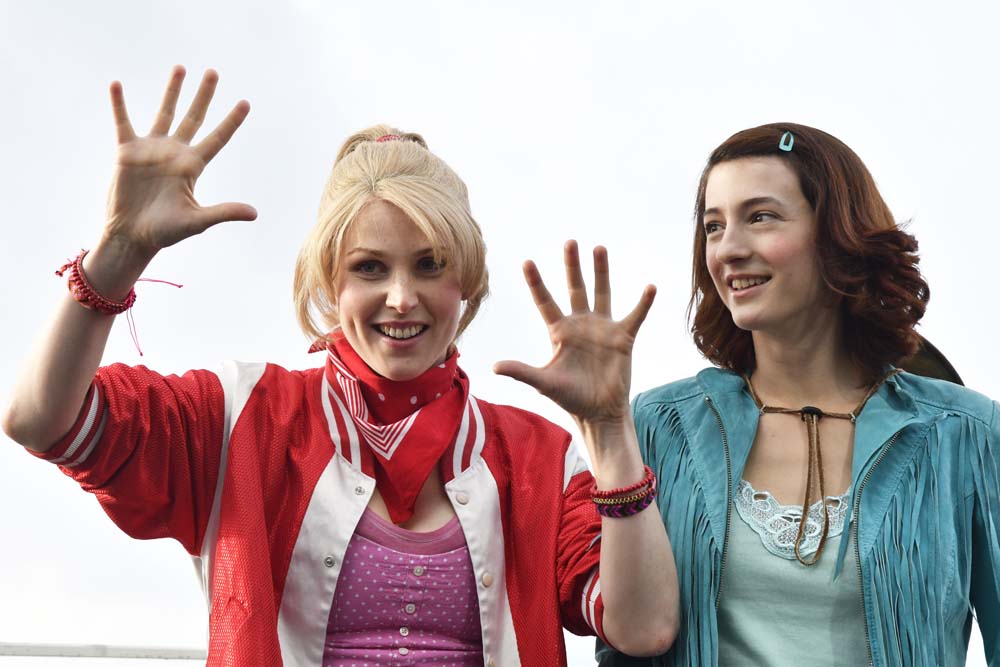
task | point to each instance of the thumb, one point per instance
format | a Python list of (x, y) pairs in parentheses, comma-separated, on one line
[(521, 372), (213, 215)]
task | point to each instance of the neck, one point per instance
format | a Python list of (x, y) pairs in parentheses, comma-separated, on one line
[(807, 368)]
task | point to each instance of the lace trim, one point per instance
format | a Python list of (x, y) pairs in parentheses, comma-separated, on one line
[(778, 525)]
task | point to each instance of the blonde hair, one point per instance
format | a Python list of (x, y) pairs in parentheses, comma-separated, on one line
[(402, 172)]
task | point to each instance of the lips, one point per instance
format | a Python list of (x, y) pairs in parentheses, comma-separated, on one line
[(742, 283), (401, 331)]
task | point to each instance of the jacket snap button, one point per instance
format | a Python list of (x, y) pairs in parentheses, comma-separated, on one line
[(462, 498), (487, 580), (359, 490), (329, 561)]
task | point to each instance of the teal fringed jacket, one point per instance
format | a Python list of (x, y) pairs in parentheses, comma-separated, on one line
[(925, 516)]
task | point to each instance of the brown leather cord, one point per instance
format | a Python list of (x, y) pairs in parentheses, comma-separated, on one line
[(811, 416)]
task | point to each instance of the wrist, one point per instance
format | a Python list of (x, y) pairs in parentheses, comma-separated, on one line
[(113, 266), (614, 452)]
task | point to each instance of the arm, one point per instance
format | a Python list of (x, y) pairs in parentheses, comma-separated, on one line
[(985, 584), (589, 376), (151, 206)]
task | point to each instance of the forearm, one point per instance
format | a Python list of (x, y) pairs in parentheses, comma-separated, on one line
[(638, 576), (48, 395)]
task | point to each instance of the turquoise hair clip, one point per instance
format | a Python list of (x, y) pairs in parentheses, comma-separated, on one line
[(787, 141)]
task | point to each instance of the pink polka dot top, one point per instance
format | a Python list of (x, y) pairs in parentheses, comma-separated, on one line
[(405, 598)]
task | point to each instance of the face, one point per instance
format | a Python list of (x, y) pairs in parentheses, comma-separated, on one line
[(761, 248), (398, 307)]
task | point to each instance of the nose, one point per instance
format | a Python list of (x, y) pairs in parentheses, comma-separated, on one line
[(732, 246), (401, 295)]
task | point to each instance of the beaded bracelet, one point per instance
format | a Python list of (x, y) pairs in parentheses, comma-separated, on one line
[(649, 478), (86, 295), (626, 499)]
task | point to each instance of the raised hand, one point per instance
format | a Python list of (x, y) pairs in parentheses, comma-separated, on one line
[(591, 367), (152, 204)]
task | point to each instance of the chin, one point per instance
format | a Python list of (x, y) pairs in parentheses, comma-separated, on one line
[(392, 372), (746, 321), (399, 372)]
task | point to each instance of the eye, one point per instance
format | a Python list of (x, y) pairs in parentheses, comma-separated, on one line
[(429, 265), (762, 216), (368, 268), (712, 227)]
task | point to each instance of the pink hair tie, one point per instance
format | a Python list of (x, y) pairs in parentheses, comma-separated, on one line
[(388, 137)]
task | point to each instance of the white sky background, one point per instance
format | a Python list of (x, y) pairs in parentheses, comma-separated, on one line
[(588, 120)]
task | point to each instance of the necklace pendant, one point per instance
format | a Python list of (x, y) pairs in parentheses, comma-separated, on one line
[(810, 410)]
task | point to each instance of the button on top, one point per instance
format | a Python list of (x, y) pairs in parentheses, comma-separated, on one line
[(419, 570), (329, 561), (404, 631), (410, 608), (487, 580), (359, 490), (462, 498)]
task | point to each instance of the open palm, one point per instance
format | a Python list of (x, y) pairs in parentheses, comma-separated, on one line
[(152, 204), (590, 372)]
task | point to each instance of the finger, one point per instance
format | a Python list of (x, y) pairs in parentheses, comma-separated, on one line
[(529, 375), (574, 278), (199, 107), (123, 127), (165, 116), (209, 147), (549, 309), (635, 319), (208, 216), (602, 282)]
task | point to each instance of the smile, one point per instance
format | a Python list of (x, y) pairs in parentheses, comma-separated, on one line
[(403, 333), (739, 284)]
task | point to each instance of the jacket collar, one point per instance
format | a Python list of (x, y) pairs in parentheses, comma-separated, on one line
[(888, 411)]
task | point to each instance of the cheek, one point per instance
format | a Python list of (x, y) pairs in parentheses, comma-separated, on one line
[(797, 258), (446, 303), (353, 303), (714, 266)]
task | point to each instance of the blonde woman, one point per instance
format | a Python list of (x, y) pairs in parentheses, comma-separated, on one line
[(371, 510)]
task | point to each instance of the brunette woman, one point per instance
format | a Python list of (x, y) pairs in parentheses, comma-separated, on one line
[(823, 507), (370, 511)]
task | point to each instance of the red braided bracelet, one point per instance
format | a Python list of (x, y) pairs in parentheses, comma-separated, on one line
[(650, 478), (86, 295)]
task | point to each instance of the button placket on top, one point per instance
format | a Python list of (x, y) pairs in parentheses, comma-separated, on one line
[(414, 592)]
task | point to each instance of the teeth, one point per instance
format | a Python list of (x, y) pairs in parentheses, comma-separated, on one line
[(743, 283), (402, 334)]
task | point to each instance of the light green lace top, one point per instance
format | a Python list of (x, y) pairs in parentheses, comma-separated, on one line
[(775, 611)]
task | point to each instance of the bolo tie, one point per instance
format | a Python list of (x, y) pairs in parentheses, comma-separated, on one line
[(814, 474)]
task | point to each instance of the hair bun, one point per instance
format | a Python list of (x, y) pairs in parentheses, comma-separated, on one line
[(372, 134)]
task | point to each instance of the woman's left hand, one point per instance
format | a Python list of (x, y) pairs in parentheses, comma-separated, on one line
[(590, 372)]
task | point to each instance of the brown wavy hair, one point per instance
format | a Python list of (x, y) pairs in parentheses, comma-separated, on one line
[(865, 258)]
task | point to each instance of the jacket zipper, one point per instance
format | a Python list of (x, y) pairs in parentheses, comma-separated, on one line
[(857, 547), (729, 499)]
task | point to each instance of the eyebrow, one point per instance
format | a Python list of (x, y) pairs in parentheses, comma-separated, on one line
[(379, 253), (749, 203)]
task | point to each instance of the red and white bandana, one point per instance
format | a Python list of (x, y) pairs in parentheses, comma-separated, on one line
[(407, 425)]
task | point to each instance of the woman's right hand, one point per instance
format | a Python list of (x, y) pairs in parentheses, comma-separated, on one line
[(152, 204)]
